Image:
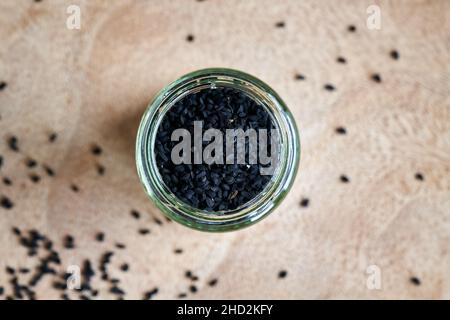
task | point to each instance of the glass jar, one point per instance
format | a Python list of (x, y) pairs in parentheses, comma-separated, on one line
[(248, 213)]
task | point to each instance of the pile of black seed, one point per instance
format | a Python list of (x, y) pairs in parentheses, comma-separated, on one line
[(215, 187)]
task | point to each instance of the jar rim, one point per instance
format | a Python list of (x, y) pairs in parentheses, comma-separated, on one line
[(254, 210)]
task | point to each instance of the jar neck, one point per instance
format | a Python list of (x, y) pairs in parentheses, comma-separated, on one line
[(249, 212)]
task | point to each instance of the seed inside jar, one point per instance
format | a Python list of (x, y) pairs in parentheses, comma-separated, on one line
[(217, 149)]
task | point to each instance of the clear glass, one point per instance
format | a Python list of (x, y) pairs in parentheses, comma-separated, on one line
[(252, 211)]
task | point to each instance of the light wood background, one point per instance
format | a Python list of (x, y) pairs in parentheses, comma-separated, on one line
[(91, 86)]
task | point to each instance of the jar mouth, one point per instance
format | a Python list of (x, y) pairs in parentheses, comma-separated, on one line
[(247, 213)]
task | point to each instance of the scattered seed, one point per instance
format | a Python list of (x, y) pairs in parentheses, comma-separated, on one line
[(69, 242), (415, 281), (7, 181), (6, 203), (30, 163), (376, 78), (3, 85), (150, 294), (144, 231), (178, 251), (135, 214), (419, 176), (96, 150), (52, 137), (394, 54), (299, 76), (341, 130), (13, 143), (100, 236), (74, 188), (190, 38), (124, 267), (193, 289), (329, 87), (120, 245), (35, 178), (344, 179), (351, 28), (341, 60), (304, 202), (282, 274), (212, 282), (49, 170), (280, 24), (100, 169)]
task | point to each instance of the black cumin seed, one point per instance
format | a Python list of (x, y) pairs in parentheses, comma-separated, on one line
[(376, 77), (30, 163), (182, 295), (124, 267), (394, 54), (351, 28), (120, 245), (415, 281), (341, 60), (2, 290), (178, 251), (193, 289), (7, 181), (96, 150), (100, 169), (100, 236), (49, 170), (144, 231), (6, 202), (299, 76), (69, 242), (74, 188), (190, 38), (3, 85), (1, 161), (341, 130), (52, 137), (35, 178), (150, 294), (16, 231), (304, 202), (282, 274), (280, 24), (212, 282), (329, 87), (13, 143), (116, 290), (344, 179), (10, 270), (419, 176), (135, 214)]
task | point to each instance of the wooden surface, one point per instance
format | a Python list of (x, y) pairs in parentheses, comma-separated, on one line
[(91, 86)]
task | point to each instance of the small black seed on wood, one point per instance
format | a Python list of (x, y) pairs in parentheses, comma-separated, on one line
[(304, 202), (13, 143), (415, 281), (376, 78), (282, 274)]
